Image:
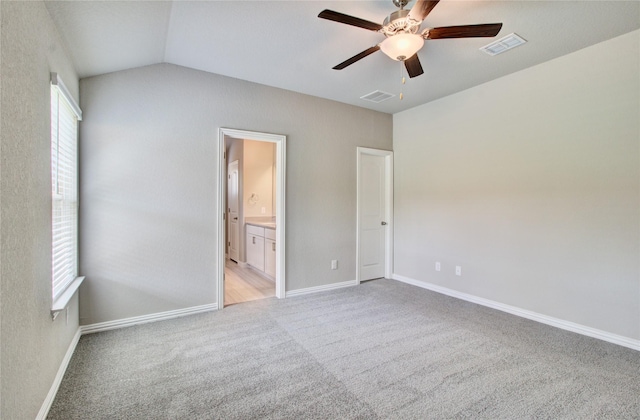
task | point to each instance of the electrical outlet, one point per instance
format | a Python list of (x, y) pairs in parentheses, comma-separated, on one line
[(437, 265), (334, 264), (458, 270)]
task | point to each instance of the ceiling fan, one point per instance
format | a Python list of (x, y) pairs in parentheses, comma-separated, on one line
[(401, 29)]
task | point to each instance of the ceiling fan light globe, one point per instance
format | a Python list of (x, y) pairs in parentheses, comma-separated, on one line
[(402, 46)]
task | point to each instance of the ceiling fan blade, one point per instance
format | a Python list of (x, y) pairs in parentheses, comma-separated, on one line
[(421, 9), (414, 68), (465, 31), (349, 20), (357, 57)]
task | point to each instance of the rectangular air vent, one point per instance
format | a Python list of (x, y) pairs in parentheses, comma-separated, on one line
[(377, 96), (503, 44)]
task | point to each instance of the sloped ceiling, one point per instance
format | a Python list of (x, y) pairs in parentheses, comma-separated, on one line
[(284, 44)]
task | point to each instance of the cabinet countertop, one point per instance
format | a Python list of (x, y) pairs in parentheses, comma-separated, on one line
[(267, 225)]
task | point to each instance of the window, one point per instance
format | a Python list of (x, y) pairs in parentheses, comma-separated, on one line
[(65, 115)]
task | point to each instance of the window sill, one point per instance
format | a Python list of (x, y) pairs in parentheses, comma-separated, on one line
[(62, 301)]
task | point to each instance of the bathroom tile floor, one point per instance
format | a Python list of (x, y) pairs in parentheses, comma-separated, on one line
[(245, 284)]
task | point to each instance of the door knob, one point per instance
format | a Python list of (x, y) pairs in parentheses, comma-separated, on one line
[(383, 223), (235, 218)]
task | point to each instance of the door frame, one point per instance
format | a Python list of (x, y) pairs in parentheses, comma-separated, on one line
[(388, 246), (280, 141)]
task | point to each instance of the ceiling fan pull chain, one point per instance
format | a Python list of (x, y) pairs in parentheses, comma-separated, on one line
[(403, 79)]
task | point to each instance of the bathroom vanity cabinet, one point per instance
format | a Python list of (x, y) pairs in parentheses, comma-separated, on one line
[(261, 249)]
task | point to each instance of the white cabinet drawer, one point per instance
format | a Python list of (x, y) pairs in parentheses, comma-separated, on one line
[(255, 230), (270, 234)]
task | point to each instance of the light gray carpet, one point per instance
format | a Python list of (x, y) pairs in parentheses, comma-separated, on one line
[(380, 350)]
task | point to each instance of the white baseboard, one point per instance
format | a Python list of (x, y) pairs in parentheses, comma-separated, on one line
[(48, 401), (534, 316), (323, 288), (160, 316), (242, 264)]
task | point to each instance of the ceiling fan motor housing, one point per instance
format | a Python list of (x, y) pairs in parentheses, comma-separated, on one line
[(398, 22)]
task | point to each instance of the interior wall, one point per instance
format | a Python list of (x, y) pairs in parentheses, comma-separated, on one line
[(236, 152), (32, 346), (148, 214), (531, 183), (258, 178), (274, 175)]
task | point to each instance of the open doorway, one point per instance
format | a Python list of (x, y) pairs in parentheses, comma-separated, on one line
[(251, 221), (251, 218)]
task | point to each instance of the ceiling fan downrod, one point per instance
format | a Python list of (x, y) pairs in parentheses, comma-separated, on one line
[(400, 3)]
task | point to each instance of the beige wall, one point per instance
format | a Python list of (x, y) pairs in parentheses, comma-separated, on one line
[(149, 181), (258, 178), (32, 345), (532, 184)]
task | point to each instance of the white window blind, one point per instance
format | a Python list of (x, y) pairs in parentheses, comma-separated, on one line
[(64, 187)]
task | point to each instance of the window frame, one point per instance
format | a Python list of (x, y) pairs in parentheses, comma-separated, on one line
[(65, 115)]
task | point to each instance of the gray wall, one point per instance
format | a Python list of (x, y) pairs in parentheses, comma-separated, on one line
[(32, 345), (149, 178), (531, 183)]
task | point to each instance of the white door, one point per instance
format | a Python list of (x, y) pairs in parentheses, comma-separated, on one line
[(374, 214), (232, 200)]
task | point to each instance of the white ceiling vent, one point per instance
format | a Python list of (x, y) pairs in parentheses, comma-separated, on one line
[(377, 96), (503, 44)]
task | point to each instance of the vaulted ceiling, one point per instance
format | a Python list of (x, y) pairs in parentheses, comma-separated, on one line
[(284, 44)]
